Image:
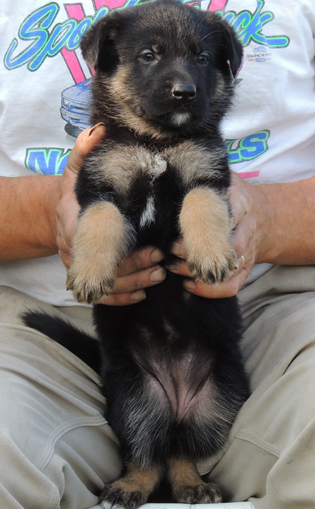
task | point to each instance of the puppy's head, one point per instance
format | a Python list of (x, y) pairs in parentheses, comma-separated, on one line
[(162, 68)]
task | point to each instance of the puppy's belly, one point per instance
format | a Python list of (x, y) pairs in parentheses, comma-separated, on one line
[(178, 389)]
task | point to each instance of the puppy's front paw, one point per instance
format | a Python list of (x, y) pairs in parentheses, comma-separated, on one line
[(205, 226), (215, 266), (118, 498), (202, 493), (89, 285), (102, 238)]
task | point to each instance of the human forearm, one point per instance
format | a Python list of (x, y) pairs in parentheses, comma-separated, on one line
[(282, 220), (27, 211), (31, 226), (287, 222)]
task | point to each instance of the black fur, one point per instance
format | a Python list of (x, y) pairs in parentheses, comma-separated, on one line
[(64, 333), (163, 82)]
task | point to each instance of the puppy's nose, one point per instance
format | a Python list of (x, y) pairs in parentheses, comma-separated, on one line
[(184, 91)]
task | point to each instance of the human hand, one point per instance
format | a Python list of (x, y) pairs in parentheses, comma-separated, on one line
[(140, 269), (244, 239)]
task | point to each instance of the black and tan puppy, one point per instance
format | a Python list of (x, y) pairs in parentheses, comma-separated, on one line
[(171, 367)]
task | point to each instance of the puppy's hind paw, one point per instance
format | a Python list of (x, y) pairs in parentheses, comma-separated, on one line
[(202, 493), (117, 498)]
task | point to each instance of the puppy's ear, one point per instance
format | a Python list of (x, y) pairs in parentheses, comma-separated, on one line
[(98, 44), (229, 48), (232, 48)]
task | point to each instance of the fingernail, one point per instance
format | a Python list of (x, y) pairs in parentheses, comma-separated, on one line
[(137, 296), (157, 256), (178, 249), (174, 266), (158, 275), (96, 126), (189, 284)]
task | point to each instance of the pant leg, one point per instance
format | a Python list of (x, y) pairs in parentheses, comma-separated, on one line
[(270, 458), (56, 448)]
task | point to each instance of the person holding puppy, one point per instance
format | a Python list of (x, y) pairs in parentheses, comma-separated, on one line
[(56, 448)]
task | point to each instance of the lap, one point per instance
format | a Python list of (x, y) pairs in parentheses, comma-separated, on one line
[(59, 447), (270, 457), (56, 447)]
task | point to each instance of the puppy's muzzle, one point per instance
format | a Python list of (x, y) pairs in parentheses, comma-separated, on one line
[(184, 92)]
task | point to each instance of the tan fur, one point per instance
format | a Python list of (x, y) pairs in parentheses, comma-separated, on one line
[(131, 116), (134, 487), (101, 240), (194, 160), (125, 163), (205, 226), (187, 486)]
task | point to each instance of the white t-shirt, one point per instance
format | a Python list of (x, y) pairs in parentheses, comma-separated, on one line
[(44, 96)]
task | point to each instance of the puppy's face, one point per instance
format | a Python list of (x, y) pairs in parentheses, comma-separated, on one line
[(165, 65)]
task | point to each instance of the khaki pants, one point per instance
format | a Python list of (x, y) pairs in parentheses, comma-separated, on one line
[(56, 449)]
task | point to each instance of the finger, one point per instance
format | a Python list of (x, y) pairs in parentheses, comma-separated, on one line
[(124, 299), (178, 250), (64, 253), (139, 280), (85, 142), (217, 291), (239, 199), (179, 267), (129, 286), (243, 239), (126, 290), (67, 210), (67, 213), (140, 259)]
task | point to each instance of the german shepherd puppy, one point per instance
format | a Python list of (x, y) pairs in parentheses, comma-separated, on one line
[(171, 366)]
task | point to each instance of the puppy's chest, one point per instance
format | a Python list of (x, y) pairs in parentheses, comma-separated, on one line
[(148, 184), (149, 189), (154, 202)]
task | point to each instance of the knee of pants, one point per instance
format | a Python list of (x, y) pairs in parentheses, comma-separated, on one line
[(270, 459), (55, 446)]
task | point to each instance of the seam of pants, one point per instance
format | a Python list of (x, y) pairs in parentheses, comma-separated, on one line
[(55, 504), (249, 436), (62, 430)]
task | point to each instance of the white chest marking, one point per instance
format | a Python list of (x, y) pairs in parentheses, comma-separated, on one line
[(148, 215), (158, 166)]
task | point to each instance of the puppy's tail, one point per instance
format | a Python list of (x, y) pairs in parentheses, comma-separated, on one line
[(78, 342)]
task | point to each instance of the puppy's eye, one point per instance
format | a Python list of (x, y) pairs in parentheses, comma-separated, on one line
[(203, 58), (147, 57)]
